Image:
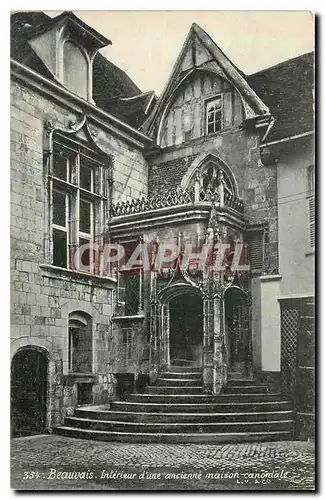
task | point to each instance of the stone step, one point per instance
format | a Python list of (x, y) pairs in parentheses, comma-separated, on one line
[(136, 437), (180, 375), (170, 390), (180, 427), (184, 369), (179, 382), (203, 407), (248, 389), (241, 381), (155, 417), (202, 398)]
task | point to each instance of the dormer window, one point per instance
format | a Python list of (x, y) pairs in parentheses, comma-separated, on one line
[(67, 47), (75, 69), (214, 115)]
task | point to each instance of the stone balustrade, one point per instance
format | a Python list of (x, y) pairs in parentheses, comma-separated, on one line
[(177, 197)]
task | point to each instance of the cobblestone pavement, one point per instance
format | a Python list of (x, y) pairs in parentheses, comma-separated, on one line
[(36, 463)]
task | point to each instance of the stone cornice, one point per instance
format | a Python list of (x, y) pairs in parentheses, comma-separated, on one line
[(134, 224), (77, 104)]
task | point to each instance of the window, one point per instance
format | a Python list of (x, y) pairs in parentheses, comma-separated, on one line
[(311, 203), (130, 281), (80, 343), (75, 69), (214, 115), (78, 203)]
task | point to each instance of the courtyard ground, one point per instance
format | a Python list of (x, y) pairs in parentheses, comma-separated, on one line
[(50, 462)]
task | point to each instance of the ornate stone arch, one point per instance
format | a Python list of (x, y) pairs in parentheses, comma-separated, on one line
[(201, 163), (180, 288)]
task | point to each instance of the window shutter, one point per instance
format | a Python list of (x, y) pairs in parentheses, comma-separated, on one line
[(311, 202), (256, 252)]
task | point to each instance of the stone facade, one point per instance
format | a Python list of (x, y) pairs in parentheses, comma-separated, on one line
[(43, 297), (172, 180)]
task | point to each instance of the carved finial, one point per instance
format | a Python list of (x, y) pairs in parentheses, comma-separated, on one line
[(76, 125), (49, 127)]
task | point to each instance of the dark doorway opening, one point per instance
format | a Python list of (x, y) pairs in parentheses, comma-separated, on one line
[(186, 329), (238, 335), (29, 369)]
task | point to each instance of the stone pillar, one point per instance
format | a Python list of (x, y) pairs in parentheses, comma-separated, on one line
[(167, 336), (205, 352), (164, 336), (153, 353), (153, 328), (218, 348)]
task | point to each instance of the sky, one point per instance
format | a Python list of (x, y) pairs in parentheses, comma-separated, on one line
[(146, 44)]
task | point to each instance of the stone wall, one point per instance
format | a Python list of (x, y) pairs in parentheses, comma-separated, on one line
[(257, 184), (129, 353), (41, 297)]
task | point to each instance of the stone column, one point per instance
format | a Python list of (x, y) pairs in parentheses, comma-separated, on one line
[(218, 348), (164, 337), (153, 328), (205, 351)]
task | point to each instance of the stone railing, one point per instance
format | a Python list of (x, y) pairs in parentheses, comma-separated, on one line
[(174, 198), (233, 202)]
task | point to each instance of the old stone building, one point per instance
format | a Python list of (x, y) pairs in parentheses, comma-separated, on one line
[(202, 171)]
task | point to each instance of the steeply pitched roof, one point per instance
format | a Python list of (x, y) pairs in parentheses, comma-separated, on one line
[(200, 51), (110, 83), (287, 89)]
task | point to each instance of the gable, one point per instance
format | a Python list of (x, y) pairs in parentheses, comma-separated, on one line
[(185, 118), (200, 52)]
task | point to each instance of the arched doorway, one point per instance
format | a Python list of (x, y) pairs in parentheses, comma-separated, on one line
[(238, 332), (29, 369), (186, 329)]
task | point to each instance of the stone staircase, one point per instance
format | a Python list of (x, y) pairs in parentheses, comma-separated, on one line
[(176, 410)]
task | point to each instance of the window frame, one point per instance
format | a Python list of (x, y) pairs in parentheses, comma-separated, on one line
[(207, 102), (79, 326), (70, 185), (63, 229), (122, 274)]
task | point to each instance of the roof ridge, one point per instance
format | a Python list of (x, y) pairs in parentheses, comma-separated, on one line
[(197, 27)]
